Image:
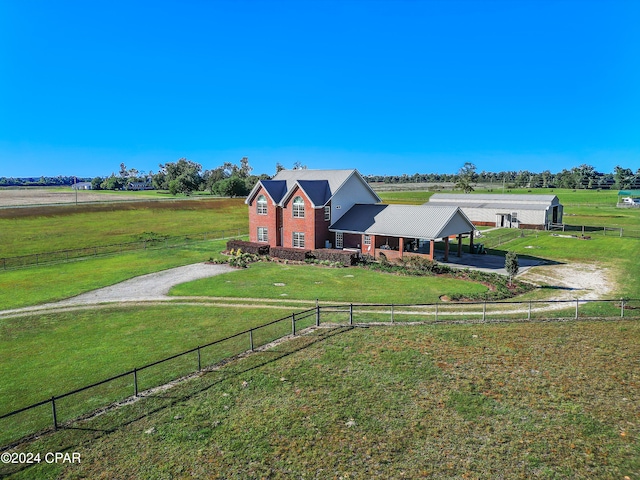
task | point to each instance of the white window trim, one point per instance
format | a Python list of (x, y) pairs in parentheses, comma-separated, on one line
[(297, 208), (339, 240), (265, 234), (367, 240), (298, 240), (327, 213), (261, 207)]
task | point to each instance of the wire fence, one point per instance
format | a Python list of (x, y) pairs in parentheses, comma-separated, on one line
[(64, 410), (159, 242), (588, 230)]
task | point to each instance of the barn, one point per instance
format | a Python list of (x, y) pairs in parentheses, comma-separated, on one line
[(504, 210)]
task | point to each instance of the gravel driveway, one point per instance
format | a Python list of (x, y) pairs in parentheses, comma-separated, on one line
[(153, 286)]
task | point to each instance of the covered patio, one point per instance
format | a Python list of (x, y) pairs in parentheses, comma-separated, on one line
[(398, 231)]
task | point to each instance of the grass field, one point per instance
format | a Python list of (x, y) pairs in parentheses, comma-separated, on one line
[(45, 229), (49, 283), (481, 401), (450, 377), (274, 280)]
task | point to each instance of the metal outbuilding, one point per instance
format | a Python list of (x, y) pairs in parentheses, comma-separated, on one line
[(504, 210)]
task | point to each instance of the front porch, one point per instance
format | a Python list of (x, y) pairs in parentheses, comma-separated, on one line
[(396, 248)]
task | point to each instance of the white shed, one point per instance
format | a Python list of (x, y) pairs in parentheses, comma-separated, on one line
[(505, 210)]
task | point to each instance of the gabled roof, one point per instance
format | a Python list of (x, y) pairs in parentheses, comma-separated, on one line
[(318, 185), (490, 200), (275, 189), (410, 221)]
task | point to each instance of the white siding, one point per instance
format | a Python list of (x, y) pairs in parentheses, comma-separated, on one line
[(351, 192)]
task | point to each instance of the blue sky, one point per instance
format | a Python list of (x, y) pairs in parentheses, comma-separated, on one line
[(387, 87)]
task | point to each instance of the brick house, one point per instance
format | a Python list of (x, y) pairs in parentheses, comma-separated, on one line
[(313, 209), (296, 208)]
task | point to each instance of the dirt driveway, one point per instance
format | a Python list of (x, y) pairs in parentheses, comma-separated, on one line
[(566, 281)]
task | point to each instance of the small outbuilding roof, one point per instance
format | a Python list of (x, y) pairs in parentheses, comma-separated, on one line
[(410, 221)]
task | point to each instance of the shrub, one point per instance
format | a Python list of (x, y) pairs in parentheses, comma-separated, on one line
[(247, 247), (294, 254), (335, 256)]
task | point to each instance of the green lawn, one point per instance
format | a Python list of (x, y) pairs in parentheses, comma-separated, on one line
[(46, 229), (476, 401), (36, 285), (310, 282)]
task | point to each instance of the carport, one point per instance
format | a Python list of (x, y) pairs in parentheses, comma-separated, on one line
[(398, 231)]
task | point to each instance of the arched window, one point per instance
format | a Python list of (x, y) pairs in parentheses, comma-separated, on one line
[(262, 205), (298, 207)]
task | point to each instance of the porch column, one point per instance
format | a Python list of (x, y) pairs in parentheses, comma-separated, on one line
[(432, 247), (446, 249), (401, 247), (459, 244), (471, 242)]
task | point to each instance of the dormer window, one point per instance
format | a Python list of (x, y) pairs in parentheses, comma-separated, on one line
[(298, 207), (261, 205)]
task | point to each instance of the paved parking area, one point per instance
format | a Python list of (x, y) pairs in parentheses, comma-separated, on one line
[(485, 263)]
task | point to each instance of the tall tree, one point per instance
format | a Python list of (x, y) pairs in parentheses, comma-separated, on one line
[(511, 265), (466, 177)]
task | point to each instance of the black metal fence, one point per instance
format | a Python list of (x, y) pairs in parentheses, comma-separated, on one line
[(62, 410), (61, 256)]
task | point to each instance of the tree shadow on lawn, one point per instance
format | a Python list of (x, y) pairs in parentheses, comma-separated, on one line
[(86, 429)]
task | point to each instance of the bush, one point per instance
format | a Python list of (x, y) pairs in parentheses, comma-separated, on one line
[(294, 254), (248, 247), (335, 256)]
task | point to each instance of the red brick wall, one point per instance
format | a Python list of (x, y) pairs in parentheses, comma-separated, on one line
[(269, 220), (305, 225)]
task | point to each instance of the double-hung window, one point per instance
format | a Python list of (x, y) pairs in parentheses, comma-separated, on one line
[(367, 240), (327, 213), (263, 234), (298, 207), (261, 205), (298, 239)]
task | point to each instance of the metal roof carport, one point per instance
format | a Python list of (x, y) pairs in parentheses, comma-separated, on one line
[(424, 222)]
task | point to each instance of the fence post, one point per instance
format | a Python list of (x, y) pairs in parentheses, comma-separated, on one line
[(436, 312), (620, 232), (351, 314), (53, 411), (576, 308), (317, 313), (484, 311), (251, 339), (135, 382), (293, 323), (622, 308), (199, 362), (392, 313), (529, 314)]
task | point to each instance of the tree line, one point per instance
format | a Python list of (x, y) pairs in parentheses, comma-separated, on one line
[(582, 177), (229, 179)]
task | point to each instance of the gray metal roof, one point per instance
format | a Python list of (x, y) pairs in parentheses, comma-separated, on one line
[(465, 199), (410, 221), (506, 207), (335, 178)]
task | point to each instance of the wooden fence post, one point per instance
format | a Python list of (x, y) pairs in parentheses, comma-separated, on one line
[(622, 308), (135, 382), (199, 360), (317, 313), (576, 308), (392, 313), (351, 314), (293, 323)]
